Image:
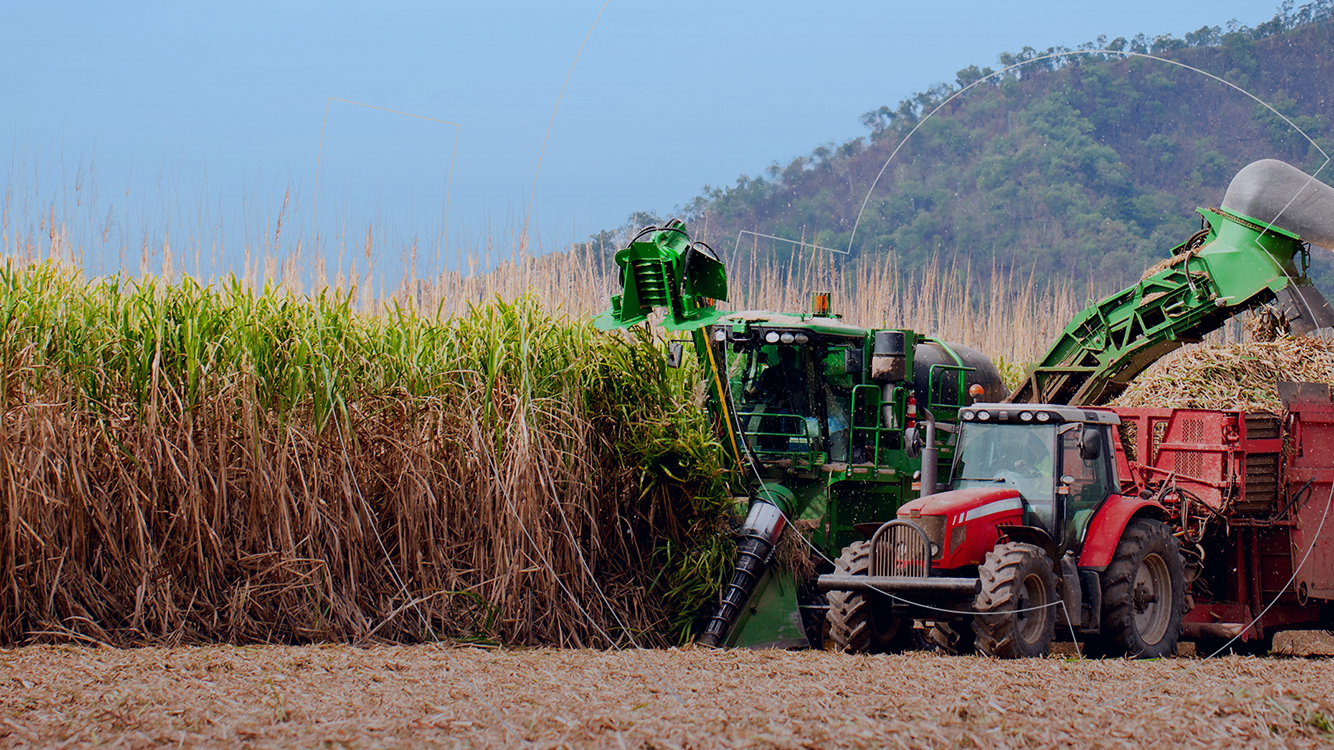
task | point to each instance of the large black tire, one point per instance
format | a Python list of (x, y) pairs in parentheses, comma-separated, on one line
[(1016, 616), (1144, 593), (864, 622), (952, 637)]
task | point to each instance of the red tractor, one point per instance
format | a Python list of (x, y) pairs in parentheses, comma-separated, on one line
[(1033, 536)]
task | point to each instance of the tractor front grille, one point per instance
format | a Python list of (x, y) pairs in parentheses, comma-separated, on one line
[(900, 548)]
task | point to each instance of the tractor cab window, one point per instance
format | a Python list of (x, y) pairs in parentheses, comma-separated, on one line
[(1088, 485), (1015, 455)]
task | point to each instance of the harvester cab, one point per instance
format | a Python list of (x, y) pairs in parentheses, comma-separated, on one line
[(829, 426), (1033, 540)]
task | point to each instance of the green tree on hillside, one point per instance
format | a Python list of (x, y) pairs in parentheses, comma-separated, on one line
[(1080, 164)]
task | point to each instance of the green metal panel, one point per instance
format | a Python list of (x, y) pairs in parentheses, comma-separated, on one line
[(771, 618)]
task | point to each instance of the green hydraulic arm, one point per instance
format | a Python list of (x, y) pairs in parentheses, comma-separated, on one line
[(1235, 263)]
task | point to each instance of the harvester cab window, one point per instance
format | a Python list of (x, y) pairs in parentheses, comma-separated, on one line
[(1016, 455), (837, 394), (781, 383), (775, 406), (1088, 487)]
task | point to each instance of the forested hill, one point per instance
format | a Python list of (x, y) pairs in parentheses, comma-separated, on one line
[(1084, 164)]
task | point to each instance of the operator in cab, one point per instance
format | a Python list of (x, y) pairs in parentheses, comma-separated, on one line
[(782, 385)]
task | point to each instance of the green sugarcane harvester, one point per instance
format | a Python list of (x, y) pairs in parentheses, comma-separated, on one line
[(820, 418), (835, 427)]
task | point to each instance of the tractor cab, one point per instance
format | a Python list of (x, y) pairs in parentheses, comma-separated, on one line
[(1056, 457)]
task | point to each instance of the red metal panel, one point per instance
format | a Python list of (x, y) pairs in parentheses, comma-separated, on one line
[(1311, 459), (1202, 451), (1188, 447), (1104, 532), (1218, 612), (1274, 559)]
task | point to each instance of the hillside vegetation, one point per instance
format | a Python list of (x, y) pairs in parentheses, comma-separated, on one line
[(1080, 165)]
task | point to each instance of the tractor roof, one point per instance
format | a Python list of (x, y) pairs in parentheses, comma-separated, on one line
[(1037, 413)]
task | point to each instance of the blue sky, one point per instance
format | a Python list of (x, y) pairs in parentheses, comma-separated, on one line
[(180, 105)]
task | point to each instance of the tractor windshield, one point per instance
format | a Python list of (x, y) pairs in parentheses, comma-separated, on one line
[(1017, 455)]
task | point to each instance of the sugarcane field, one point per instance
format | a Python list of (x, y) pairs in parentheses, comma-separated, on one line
[(1007, 423)]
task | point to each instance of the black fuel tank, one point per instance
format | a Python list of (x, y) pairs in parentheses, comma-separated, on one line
[(932, 361)]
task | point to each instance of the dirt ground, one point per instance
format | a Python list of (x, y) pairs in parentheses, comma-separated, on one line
[(411, 696)]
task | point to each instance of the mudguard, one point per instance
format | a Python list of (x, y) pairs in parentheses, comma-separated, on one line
[(1105, 530)]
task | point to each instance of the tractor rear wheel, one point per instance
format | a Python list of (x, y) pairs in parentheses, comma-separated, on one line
[(1144, 592), (1015, 618), (864, 621)]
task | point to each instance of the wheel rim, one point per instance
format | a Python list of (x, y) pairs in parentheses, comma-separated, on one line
[(1031, 619), (1152, 599)]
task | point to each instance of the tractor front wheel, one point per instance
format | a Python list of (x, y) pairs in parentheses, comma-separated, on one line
[(1144, 592), (1015, 618), (864, 621)]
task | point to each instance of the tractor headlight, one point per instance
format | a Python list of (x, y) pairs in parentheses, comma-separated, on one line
[(1026, 416), (984, 415), (771, 337), (802, 338), (1043, 416), (720, 335), (787, 338), (966, 415)]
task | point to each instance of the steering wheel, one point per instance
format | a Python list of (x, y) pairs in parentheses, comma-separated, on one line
[(1025, 469)]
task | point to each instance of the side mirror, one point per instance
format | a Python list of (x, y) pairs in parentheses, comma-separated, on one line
[(1090, 444), (674, 355), (854, 361)]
